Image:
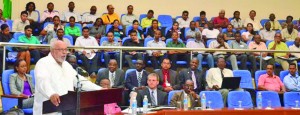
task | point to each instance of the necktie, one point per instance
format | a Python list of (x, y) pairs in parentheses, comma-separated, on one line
[(222, 73), (112, 79), (139, 78), (153, 102), (194, 80)]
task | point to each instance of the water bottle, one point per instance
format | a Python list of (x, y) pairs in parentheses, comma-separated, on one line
[(145, 104), (134, 106), (185, 102), (203, 101), (259, 101)]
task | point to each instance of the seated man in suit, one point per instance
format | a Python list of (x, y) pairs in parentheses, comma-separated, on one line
[(137, 54), (193, 97), (137, 80), (105, 83), (195, 75), (155, 97), (113, 74), (168, 79)]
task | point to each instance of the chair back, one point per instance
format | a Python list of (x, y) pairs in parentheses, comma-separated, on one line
[(215, 97), (235, 96)]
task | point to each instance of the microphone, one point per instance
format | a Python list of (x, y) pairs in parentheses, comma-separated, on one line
[(82, 72)]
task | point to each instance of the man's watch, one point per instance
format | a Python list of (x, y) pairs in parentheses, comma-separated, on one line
[(133, 89)]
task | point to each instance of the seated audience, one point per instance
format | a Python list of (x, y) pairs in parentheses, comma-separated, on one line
[(193, 97), (133, 54), (270, 81), (221, 44), (19, 24), (73, 61), (65, 16), (154, 27), (289, 20), (202, 23), (113, 74), (280, 58), (295, 47), (128, 18), (72, 30), (110, 53), (118, 33), (50, 30), (267, 34), (291, 81), (111, 16), (221, 21), (21, 84), (27, 53), (105, 83), (90, 17), (198, 43), (33, 17), (184, 21), (156, 56), (248, 35), (297, 25), (98, 29), (275, 25), (137, 80), (176, 55), (229, 34), (60, 36), (191, 32), (5, 35), (192, 73), (155, 96), (237, 21), (135, 27), (49, 13), (255, 22), (174, 28), (289, 33), (146, 22), (89, 57), (241, 56), (210, 32), (168, 79)]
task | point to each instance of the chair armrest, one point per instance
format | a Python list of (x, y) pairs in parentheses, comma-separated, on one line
[(14, 96)]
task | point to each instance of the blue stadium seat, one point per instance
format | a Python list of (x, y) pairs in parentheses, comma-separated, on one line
[(45, 24), (268, 42), (246, 79), (17, 35), (229, 19), (147, 40), (282, 74), (128, 28), (171, 93), (295, 22), (243, 30), (281, 21), (128, 71), (39, 16), (215, 97), (269, 96), (33, 76), (257, 75), (10, 24), (109, 26), (70, 38), (289, 43), (235, 96), (89, 25), (177, 17), (167, 29), (263, 21), (225, 30), (196, 18), (142, 16), (209, 41), (289, 99), (165, 20)]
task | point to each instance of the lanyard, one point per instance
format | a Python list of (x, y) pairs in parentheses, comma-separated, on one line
[(295, 81)]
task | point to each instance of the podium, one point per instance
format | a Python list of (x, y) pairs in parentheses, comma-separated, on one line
[(91, 102)]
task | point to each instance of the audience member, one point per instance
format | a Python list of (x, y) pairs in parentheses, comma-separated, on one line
[(289, 19), (5, 36), (60, 36), (133, 54), (191, 32), (291, 81), (21, 84), (248, 35), (49, 13), (154, 27), (110, 53), (295, 47), (2, 19), (184, 21), (289, 33), (193, 97), (89, 57), (270, 81), (73, 61), (210, 32), (135, 27), (65, 16), (267, 33), (118, 32), (128, 18), (194, 74), (33, 18), (50, 30), (155, 96), (156, 56), (98, 29), (229, 34), (202, 22), (105, 83), (146, 22), (275, 25), (113, 74), (221, 44), (137, 80), (73, 30), (175, 55), (297, 24), (111, 16), (168, 79), (255, 22), (90, 17), (175, 28), (198, 43), (237, 21), (19, 24), (221, 21)]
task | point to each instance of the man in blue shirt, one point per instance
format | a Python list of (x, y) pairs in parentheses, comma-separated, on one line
[(292, 80)]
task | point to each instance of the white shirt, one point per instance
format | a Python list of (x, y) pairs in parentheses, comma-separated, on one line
[(87, 17), (128, 19), (247, 35), (19, 25), (153, 43), (51, 78), (48, 14), (214, 44), (195, 44), (256, 23), (295, 48), (67, 14), (183, 23), (214, 76), (50, 27), (34, 15), (111, 79), (210, 33), (267, 35), (90, 41)]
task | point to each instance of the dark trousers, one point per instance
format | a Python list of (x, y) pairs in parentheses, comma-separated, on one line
[(35, 54), (129, 58), (155, 61), (108, 56), (89, 64), (175, 57)]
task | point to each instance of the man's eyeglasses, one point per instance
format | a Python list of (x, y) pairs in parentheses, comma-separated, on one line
[(62, 50)]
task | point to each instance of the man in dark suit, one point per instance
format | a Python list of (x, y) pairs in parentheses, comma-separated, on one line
[(137, 80), (155, 97), (115, 75), (194, 74), (168, 79)]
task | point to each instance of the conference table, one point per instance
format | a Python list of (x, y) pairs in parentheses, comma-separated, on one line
[(277, 111)]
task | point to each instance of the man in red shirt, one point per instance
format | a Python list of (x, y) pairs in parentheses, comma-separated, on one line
[(221, 21)]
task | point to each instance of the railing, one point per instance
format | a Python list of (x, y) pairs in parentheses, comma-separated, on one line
[(121, 48)]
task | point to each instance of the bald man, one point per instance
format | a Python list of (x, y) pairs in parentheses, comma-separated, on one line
[(221, 21)]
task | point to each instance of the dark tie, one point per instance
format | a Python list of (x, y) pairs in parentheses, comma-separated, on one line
[(222, 73), (139, 78), (153, 102)]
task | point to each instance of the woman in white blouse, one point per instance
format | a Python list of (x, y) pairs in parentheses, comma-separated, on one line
[(33, 17), (248, 35), (237, 21)]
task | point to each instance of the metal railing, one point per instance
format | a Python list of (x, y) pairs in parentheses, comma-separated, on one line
[(121, 48)]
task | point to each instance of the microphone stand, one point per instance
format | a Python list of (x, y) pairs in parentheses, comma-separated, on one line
[(78, 90)]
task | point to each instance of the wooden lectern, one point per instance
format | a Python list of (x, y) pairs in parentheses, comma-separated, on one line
[(91, 102)]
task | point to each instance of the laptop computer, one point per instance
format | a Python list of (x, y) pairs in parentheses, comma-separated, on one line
[(231, 82)]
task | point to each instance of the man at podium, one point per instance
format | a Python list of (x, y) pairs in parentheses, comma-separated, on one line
[(55, 77)]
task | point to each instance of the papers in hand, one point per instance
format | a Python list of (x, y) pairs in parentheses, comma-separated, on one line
[(89, 54), (289, 59), (266, 58)]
